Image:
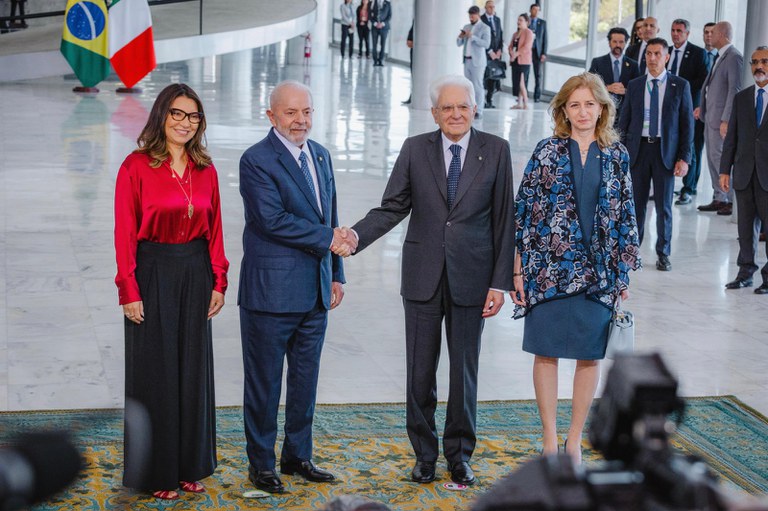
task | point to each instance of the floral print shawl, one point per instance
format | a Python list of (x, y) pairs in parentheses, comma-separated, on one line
[(555, 262)]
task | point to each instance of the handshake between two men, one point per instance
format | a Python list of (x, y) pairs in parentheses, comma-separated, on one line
[(344, 241)]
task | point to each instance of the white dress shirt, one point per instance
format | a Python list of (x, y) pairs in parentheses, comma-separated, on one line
[(680, 55), (662, 78), (295, 152), (448, 155)]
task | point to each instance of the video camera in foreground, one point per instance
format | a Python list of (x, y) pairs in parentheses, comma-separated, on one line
[(630, 426)]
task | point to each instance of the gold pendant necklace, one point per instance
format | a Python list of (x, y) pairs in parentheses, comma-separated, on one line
[(190, 206)]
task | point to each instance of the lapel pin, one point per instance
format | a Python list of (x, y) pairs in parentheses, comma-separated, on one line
[(319, 158), (480, 158)]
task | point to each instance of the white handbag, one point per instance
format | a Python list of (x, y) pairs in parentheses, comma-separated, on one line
[(621, 333)]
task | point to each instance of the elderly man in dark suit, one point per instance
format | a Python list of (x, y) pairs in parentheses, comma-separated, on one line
[(721, 85), (456, 184), (657, 128), (539, 54), (615, 68), (745, 157), (289, 279)]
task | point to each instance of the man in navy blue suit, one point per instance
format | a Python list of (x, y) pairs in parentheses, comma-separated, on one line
[(689, 61), (656, 124), (289, 279), (615, 68)]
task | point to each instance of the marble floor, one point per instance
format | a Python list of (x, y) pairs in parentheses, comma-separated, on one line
[(61, 342)]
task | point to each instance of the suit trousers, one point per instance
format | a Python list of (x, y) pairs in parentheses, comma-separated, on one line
[(347, 33), (476, 74), (648, 168), (751, 204), (379, 39), (537, 64), (691, 179), (423, 335), (714, 151), (268, 339), (363, 36)]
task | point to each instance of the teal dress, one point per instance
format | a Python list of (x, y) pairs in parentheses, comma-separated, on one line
[(573, 326)]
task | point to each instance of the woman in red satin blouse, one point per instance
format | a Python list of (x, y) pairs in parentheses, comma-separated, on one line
[(171, 279)]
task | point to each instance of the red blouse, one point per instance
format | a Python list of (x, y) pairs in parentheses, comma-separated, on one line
[(151, 206)]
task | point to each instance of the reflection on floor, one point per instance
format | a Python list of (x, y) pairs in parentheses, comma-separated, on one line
[(61, 342)]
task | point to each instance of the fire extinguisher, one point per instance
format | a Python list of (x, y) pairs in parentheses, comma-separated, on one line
[(307, 46)]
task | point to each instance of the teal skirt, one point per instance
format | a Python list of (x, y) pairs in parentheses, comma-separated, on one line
[(572, 327)]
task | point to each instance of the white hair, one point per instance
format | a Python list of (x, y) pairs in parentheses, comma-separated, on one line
[(287, 84), (436, 87)]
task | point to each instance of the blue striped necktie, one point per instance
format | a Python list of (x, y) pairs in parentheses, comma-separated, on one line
[(307, 174), (454, 172), (759, 106), (616, 71)]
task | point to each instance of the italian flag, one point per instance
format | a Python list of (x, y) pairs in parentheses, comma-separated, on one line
[(131, 47)]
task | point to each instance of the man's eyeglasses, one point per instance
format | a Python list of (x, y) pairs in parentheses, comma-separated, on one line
[(180, 115), (755, 62)]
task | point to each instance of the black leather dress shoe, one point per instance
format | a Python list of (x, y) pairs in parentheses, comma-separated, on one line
[(423, 472), (715, 205), (307, 470), (762, 290), (726, 210), (266, 480), (738, 283), (461, 473), (663, 263), (685, 198)]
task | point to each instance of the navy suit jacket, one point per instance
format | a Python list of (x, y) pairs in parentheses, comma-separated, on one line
[(603, 66), (676, 120), (540, 41), (287, 263), (693, 68)]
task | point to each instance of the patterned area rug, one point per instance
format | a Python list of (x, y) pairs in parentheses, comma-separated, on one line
[(368, 450)]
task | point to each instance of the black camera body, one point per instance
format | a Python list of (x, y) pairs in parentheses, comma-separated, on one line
[(631, 428)]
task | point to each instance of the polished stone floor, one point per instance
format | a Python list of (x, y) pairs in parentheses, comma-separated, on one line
[(61, 343)]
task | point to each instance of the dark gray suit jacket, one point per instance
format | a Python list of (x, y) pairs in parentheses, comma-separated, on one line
[(746, 145), (473, 242)]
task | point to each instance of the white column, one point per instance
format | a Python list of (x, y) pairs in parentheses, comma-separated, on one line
[(437, 24), (756, 34), (321, 33)]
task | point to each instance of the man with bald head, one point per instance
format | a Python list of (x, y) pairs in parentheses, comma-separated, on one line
[(650, 30), (289, 279), (720, 87)]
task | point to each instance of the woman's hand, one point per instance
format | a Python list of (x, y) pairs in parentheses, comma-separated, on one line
[(518, 294), (134, 311), (217, 302)]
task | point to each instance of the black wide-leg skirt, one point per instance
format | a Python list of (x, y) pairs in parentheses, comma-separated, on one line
[(170, 433)]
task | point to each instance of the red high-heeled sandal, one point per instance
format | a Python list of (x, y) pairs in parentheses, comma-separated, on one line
[(194, 487), (165, 495)]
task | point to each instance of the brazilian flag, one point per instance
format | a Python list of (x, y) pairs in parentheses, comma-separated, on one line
[(84, 41)]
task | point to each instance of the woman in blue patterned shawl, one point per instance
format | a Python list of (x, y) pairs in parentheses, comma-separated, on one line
[(577, 239)]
